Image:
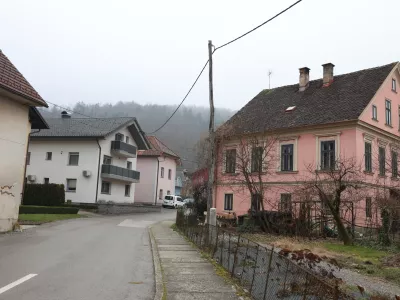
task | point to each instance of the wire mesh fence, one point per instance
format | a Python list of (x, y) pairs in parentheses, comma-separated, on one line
[(263, 272)]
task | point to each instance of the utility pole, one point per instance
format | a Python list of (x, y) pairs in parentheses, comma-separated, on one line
[(269, 79), (211, 134)]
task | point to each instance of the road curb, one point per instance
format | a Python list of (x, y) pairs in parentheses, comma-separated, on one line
[(158, 277)]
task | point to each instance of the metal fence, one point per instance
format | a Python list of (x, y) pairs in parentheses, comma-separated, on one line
[(263, 272)]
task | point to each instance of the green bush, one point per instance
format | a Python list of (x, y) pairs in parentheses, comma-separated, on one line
[(30, 209), (44, 194)]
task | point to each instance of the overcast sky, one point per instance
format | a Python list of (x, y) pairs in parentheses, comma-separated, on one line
[(151, 51)]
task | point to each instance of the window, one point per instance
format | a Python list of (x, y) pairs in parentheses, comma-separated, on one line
[(328, 155), (28, 158), (368, 207), (228, 203), (119, 137), (46, 180), (127, 190), (394, 164), (393, 85), (286, 202), (129, 165), (169, 174), (162, 172), (73, 159), (230, 163), (382, 159), (107, 160), (160, 194), (388, 110), (106, 187), (256, 159), (127, 139), (374, 112), (49, 155), (287, 157), (71, 185), (256, 202), (368, 157), (168, 192)]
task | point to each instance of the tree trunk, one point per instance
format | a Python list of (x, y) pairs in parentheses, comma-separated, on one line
[(343, 233)]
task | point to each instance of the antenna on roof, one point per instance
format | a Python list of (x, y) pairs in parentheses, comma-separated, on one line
[(269, 79)]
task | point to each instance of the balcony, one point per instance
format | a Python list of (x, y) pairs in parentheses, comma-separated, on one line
[(118, 173), (120, 148)]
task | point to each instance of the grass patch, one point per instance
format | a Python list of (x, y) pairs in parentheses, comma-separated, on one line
[(357, 252), (47, 217)]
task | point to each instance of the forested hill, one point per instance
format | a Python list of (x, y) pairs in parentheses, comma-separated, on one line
[(180, 134)]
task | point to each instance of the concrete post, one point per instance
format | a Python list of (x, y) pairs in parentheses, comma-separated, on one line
[(213, 217)]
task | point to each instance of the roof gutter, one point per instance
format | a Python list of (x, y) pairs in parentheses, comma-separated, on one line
[(98, 171)]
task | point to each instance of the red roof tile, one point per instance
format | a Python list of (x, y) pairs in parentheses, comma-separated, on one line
[(11, 79), (157, 148)]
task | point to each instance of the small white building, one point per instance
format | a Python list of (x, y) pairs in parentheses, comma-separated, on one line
[(95, 158), (18, 115), (157, 167)]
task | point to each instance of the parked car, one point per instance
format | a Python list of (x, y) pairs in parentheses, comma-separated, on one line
[(189, 202), (172, 201)]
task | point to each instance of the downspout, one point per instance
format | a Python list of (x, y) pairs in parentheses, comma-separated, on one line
[(98, 171), (26, 154), (158, 170)]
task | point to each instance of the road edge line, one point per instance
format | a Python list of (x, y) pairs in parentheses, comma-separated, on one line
[(158, 276)]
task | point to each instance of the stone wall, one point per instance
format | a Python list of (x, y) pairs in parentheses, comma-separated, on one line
[(125, 208)]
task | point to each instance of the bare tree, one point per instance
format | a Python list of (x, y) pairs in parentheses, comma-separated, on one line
[(344, 182)]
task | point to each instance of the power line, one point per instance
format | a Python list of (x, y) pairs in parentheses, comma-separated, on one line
[(187, 94), (255, 28)]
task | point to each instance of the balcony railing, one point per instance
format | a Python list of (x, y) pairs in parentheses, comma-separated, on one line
[(123, 149), (118, 173)]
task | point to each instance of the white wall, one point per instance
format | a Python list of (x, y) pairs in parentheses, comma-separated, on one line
[(117, 187), (57, 169), (145, 190), (164, 183), (14, 132)]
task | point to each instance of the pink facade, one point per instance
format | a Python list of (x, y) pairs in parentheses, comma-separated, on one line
[(349, 139)]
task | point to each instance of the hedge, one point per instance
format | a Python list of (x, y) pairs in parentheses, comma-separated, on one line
[(30, 209), (44, 194), (82, 205)]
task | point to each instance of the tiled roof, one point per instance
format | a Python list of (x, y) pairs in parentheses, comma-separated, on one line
[(158, 148), (82, 127), (344, 99), (12, 80)]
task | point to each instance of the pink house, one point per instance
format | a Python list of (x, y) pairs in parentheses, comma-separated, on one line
[(157, 167), (316, 123)]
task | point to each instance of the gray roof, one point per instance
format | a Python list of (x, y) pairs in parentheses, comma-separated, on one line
[(91, 128), (344, 99)]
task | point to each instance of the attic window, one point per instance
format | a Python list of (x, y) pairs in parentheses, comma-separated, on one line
[(290, 108)]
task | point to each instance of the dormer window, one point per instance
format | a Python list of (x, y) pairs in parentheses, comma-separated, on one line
[(290, 108), (393, 85)]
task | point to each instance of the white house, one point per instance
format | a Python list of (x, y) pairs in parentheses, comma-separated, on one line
[(95, 158), (18, 115), (157, 167)]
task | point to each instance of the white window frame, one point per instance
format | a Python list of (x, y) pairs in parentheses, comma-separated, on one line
[(389, 116), (374, 112), (127, 139), (169, 174), (28, 158), (67, 188), (162, 172), (369, 139), (290, 140), (335, 136), (109, 187), (225, 200), (394, 87), (44, 180), (69, 158)]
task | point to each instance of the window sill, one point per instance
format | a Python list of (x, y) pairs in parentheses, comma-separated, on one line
[(70, 191), (230, 174), (286, 172), (327, 171), (382, 176), (106, 193), (388, 125), (394, 91), (368, 172), (376, 120), (72, 165)]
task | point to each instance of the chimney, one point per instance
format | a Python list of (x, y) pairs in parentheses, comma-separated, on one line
[(328, 74), (65, 115), (304, 79)]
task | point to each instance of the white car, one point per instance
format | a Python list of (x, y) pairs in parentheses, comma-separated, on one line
[(173, 201)]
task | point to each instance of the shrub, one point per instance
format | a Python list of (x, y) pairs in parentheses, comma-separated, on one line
[(30, 209), (44, 194)]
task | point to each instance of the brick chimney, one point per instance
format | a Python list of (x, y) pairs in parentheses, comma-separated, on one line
[(304, 79), (328, 74)]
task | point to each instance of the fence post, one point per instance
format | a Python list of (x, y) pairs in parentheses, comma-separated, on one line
[(268, 271), (216, 241), (222, 246), (245, 257), (234, 256), (254, 271), (287, 271), (229, 250), (305, 288)]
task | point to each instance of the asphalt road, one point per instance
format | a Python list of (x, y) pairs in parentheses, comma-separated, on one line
[(100, 258)]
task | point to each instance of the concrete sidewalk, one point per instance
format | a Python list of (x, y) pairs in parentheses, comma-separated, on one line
[(185, 274)]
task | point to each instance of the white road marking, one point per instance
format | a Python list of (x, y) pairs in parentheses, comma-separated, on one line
[(135, 224), (15, 283)]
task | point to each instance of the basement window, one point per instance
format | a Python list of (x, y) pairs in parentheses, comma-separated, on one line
[(290, 108)]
